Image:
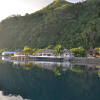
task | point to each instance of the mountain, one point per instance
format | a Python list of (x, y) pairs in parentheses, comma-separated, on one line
[(61, 22)]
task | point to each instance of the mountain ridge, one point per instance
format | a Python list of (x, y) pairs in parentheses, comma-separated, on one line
[(61, 22)]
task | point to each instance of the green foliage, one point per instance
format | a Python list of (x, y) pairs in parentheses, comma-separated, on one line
[(28, 50), (77, 69), (61, 22), (56, 71), (38, 50), (78, 52), (2, 50), (98, 50), (49, 47), (58, 49)]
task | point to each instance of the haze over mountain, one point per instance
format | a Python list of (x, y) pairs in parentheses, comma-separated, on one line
[(15, 7), (61, 22)]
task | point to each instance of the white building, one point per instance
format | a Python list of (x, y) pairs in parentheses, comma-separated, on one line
[(46, 52), (68, 53), (7, 53)]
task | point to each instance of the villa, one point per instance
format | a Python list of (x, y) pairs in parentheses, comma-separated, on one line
[(20, 53), (92, 53), (46, 52), (7, 53), (67, 53), (50, 52)]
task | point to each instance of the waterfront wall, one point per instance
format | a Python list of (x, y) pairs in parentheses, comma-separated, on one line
[(36, 58), (85, 60)]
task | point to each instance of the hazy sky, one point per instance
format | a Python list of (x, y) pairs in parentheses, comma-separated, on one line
[(10, 7)]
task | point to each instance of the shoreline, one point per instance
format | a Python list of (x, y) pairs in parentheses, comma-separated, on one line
[(58, 59)]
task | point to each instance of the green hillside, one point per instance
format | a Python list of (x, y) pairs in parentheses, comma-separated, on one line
[(61, 22)]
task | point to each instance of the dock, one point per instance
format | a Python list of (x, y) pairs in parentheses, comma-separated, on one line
[(38, 58), (57, 59)]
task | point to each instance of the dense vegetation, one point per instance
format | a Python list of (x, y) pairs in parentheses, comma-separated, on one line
[(61, 22)]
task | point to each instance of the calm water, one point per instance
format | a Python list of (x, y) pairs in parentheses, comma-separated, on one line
[(48, 81)]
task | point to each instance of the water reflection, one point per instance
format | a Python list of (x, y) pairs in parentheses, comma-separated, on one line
[(50, 65), (6, 59), (43, 64), (55, 67), (50, 80), (10, 97)]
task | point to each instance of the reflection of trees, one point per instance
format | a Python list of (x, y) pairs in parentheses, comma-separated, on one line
[(98, 73), (46, 65), (77, 69), (43, 84), (56, 71), (1, 60)]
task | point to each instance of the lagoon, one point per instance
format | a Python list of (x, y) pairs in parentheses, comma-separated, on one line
[(48, 81)]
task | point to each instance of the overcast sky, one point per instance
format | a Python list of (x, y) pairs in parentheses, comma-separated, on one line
[(10, 7)]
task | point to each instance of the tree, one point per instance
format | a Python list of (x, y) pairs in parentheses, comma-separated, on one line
[(58, 49), (78, 52), (28, 50), (88, 36)]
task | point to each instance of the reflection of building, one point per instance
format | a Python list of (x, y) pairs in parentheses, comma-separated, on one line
[(90, 67), (43, 64), (6, 59), (66, 66)]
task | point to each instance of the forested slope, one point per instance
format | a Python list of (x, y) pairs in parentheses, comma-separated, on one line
[(61, 22)]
